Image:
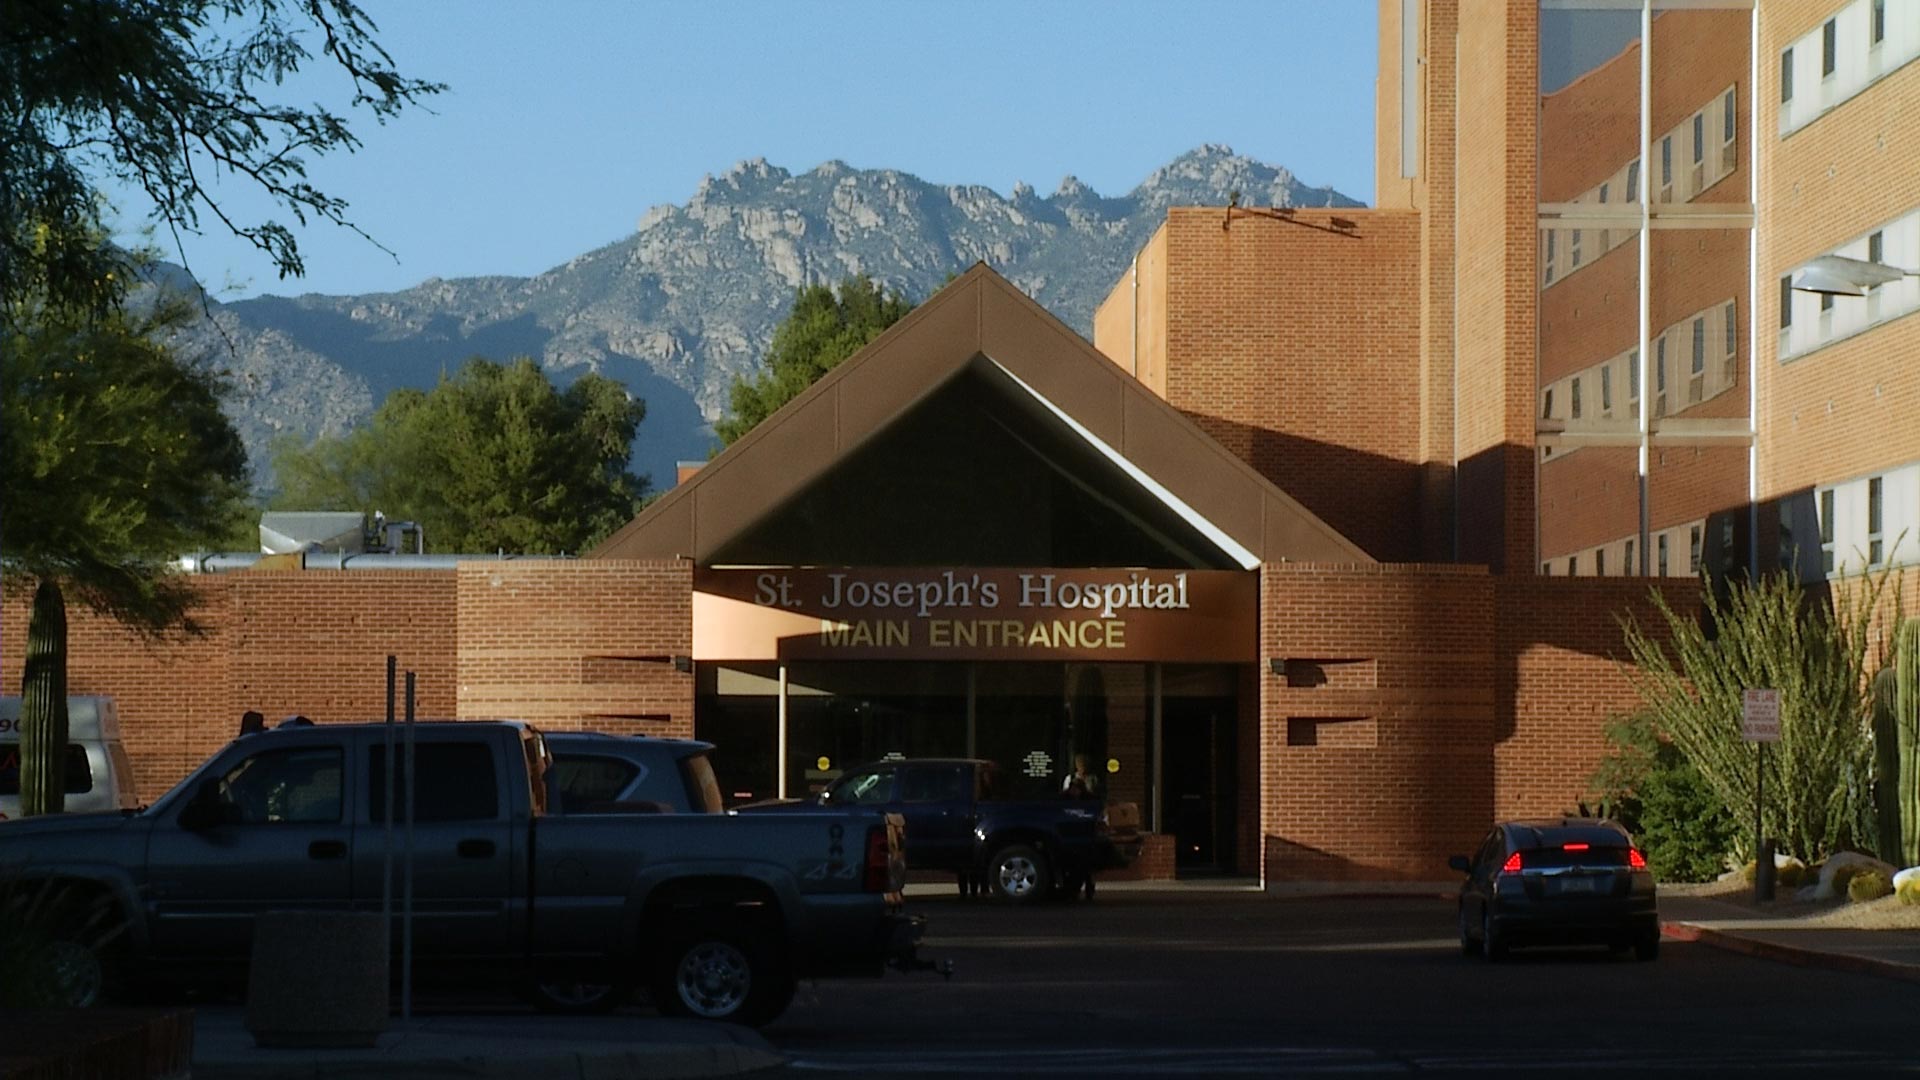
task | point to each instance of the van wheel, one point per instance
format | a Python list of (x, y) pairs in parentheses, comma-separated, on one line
[(725, 974), (1019, 873)]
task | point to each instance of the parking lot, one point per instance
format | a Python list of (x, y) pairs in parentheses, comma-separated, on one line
[(1185, 983)]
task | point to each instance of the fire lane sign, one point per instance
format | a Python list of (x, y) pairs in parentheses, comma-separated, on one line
[(1760, 715)]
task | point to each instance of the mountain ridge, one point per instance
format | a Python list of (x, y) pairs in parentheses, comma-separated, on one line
[(690, 298)]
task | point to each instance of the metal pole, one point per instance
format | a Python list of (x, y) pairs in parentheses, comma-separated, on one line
[(406, 902), (1644, 363), (780, 782), (1762, 852), (386, 812)]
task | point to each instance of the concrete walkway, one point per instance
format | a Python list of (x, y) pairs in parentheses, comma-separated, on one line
[(1891, 953), (509, 1046)]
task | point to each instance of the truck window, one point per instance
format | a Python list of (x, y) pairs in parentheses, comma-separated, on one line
[(300, 786), (79, 772), (933, 784), (862, 788), (457, 782), (701, 785)]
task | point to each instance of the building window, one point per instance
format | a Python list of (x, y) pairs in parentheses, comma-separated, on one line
[(1879, 22), (1826, 302), (1631, 567), (1603, 194), (1786, 77), (1573, 248), (1876, 247), (1606, 391), (1874, 547), (1576, 398), (1633, 180), (1663, 554), (1733, 328), (1600, 562), (1660, 378), (1546, 407), (1829, 48), (1726, 118), (1550, 245), (1699, 137), (1826, 530), (1786, 301), (1700, 346), (1693, 550), (1633, 376), (1666, 168), (1573, 566)]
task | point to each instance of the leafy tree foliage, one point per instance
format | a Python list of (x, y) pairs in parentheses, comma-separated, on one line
[(826, 326), (493, 458), (116, 459), (1649, 786), (1818, 652), (171, 96)]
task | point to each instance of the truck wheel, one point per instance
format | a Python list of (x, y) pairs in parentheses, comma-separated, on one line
[(578, 998), (1019, 873), (77, 977), (722, 974)]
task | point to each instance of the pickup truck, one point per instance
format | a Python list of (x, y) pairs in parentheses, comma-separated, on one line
[(957, 821), (716, 916)]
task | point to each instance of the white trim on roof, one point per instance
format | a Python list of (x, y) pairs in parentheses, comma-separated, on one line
[(1226, 543)]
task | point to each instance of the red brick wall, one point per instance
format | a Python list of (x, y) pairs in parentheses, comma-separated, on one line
[(578, 644), (1297, 347), (310, 642)]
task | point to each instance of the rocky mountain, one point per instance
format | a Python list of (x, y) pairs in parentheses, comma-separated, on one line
[(690, 300)]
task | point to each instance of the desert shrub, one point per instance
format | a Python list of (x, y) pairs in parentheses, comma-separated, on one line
[(1647, 785), (1868, 885), (1844, 875)]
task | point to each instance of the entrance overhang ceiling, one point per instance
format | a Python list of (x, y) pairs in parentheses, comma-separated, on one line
[(982, 315)]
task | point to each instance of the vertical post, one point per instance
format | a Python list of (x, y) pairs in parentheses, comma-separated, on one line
[(406, 894), (1157, 739), (386, 812), (1762, 851), (780, 765), (1645, 363)]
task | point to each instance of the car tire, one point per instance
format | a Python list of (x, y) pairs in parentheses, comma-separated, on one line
[(577, 997), (1647, 948), (726, 974), (1493, 943), (1019, 873), (1468, 946)]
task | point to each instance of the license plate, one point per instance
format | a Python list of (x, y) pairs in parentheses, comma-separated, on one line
[(1579, 885)]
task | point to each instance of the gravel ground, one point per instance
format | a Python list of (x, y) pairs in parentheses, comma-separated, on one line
[(1886, 913)]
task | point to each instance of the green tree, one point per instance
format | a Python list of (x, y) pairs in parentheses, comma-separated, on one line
[(495, 457), (1649, 786), (1818, 652), (168, 96), (825, 327), (116, 458)]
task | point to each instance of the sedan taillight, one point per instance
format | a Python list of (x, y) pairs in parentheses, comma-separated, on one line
[(1512, 865), (1635, 860)]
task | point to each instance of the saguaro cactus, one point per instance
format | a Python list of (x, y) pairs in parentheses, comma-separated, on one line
[(1896, 749), (43, 709)]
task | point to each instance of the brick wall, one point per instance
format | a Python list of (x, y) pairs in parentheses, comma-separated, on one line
[(578, 644), (1296, 345)]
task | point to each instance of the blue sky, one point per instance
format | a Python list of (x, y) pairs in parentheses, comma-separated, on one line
[(567, 119)]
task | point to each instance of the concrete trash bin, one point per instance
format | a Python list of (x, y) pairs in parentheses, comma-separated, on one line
[(318, 979)]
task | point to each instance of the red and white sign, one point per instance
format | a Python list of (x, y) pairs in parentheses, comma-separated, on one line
[(1760, 715)]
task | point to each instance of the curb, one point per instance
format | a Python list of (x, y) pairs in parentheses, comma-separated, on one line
[(1789, 954)]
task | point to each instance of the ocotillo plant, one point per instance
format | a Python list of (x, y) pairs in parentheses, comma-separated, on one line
[(43, 708)]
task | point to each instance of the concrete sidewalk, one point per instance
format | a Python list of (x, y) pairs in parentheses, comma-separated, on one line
[(508, 1046), (1891, 953)]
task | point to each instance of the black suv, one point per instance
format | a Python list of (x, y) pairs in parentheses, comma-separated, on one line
[(1561, 881)]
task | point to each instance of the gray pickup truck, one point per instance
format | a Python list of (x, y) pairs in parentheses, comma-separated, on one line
[(716, 915)]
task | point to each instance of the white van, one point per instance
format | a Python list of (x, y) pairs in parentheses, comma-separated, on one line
[(99, 775)]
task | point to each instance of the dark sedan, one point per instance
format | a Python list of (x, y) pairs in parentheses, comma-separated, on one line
[(1561, 881)]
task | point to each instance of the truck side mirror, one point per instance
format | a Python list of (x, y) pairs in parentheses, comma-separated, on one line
[(203, 811)]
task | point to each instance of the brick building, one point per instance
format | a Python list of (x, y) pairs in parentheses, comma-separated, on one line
[(1356, 497)]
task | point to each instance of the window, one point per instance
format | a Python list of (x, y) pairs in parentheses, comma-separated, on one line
[(862, 788), (79, 770), (1699, 137), (1732, 324), (1549, 261), (1600, 562), (1546, 407), (1546, 569), (1876, 247), (457, 783), (1573, 248), (1666, 167), (1879, 30), (1829, 47), (1826, 302), (1606, 391), (1573, 566), (1603, 193), (1576, 397), (1633, 180), (585, 781), (1826, 530), (1786, 301), (1631, 566), (1633, 376), (284, 787), (1693, 549), (1874, 508), (934, 783), (1786, 77), (1726, 118), (1699, 345), (1660, 377), (1663, 554)]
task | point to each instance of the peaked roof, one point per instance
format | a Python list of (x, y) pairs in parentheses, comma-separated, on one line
[(979, 314)]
